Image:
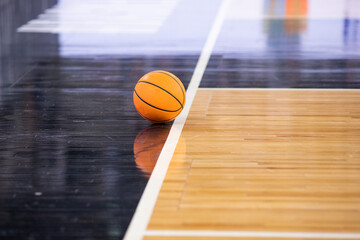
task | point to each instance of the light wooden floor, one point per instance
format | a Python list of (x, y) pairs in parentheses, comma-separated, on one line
[(265, 160), (221, 238)]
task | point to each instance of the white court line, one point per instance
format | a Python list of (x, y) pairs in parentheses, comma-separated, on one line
[(282, 89), (179, 233), (141, 218)]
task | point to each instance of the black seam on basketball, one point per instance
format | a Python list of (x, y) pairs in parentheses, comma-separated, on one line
[(176, 82), (149, 119), (163, 90), (152, 120), (154, 106), (160, 71)]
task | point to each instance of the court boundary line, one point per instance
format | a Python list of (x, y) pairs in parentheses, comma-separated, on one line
[(204, 233), (283, 89), (141, 218)]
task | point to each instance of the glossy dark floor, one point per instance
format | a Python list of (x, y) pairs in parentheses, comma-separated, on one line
[(67, 160), (75, 155)]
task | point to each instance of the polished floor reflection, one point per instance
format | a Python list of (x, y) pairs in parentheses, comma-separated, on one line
[(148, 145), (72, 151), (67, 161)]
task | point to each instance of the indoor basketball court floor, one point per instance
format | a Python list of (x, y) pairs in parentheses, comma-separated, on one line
[(267, 146)]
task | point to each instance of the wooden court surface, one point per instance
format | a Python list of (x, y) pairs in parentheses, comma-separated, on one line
[(265, 163), (265, 160)]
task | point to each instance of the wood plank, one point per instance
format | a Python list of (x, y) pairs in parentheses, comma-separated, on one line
[(265, 161), (221, 238)]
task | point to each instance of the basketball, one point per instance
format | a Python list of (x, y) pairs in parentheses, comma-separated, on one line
[(159, 96)]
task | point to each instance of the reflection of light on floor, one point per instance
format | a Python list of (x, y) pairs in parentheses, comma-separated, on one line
[(127, 27), (106, 16), (148, 145)]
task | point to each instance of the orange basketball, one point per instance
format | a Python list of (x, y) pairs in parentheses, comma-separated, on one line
[(159, 96)]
